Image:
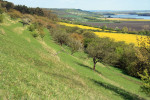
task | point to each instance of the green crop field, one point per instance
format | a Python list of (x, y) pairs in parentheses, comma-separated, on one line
[(35, 69)]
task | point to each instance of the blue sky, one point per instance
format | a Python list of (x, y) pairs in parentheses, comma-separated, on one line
[(88, 4)]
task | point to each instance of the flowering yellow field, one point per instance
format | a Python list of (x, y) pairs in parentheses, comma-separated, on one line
[(80, 26), (127, 38)]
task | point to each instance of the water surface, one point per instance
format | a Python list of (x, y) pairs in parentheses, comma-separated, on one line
[(128, 16)]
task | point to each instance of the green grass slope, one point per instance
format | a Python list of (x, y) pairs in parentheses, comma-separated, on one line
[(33, 69)]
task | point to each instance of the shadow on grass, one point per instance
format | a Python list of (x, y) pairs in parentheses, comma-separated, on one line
[(123, 93), (80, 64)]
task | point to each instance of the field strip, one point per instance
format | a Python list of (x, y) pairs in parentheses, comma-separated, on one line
[(124, 19), (80, 26)]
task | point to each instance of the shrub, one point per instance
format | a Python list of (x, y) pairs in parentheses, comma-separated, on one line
[(77, 37), (124, 29), (41, 32), (29, 17), (74, 44), (88, 37), (60, 36), (32, 27), (37, 30), (14, 14), (35, 33), (104, 27), (44, 21), (79, 31), (51, 25), (71, 29)]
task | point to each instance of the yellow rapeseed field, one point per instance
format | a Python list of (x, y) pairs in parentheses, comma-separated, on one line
[(127, 38), (80, 26)]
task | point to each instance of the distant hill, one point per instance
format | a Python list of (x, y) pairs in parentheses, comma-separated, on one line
[(75, 14)]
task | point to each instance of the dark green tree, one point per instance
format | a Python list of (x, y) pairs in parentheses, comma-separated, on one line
[(101, 50)]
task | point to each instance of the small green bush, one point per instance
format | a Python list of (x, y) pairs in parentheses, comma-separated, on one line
[(31, 27), (35, 34)]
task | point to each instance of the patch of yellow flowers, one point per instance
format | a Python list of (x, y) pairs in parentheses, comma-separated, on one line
[(80, 26), (127, 38)]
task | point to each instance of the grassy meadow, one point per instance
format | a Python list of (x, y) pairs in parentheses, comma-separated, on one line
[(35, 69)]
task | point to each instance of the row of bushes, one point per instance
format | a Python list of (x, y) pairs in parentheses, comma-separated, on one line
[(72, 40)]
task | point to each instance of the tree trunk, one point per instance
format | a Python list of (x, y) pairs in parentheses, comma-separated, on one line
[(94, 61), (94, 66)]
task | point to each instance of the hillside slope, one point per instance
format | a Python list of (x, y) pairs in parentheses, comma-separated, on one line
[(41, 69)]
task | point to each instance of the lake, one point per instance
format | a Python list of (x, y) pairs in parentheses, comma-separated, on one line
[(128, 16)]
